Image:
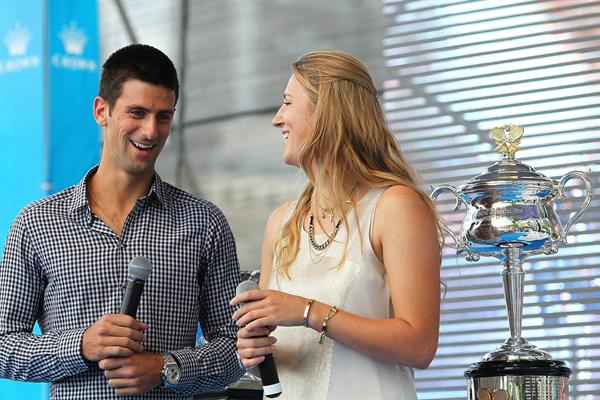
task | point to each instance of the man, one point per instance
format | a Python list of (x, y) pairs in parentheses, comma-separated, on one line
[(65, 262)]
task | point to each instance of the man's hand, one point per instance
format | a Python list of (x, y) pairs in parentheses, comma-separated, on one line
[(113, 335), (132, 375)]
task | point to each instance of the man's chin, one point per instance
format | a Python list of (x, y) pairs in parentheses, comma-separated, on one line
[(141, 170)]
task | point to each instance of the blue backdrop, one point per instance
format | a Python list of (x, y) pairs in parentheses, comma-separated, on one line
[(49, 71)]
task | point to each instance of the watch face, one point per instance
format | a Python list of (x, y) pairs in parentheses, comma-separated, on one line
[(173, 374)]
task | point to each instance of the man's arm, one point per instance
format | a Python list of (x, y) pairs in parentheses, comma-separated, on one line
[(23, 355), (209, 367), (214, 365)]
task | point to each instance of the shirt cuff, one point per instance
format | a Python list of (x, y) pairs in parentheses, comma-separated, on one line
[(69, 351), (188, 362)]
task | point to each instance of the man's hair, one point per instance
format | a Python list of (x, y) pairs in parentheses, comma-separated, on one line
[(136, 61)]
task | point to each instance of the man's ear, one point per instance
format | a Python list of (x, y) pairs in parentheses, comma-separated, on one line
[(101, 110)]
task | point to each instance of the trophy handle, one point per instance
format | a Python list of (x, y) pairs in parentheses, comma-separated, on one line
[(584, 176), (460, 246)]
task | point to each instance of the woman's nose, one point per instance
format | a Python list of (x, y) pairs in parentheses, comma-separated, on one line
[(277, 120)]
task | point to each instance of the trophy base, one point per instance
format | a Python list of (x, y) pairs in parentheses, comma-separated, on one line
[(518, 380), (517, 349)]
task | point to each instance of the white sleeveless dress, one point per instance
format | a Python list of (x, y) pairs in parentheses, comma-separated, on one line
[(308, 371)]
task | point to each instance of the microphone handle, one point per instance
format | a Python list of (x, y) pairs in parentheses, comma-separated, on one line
[(131, 298), (269, 377)]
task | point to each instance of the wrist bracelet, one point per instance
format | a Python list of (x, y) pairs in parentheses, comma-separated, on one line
[(306, 311), (330, 314)]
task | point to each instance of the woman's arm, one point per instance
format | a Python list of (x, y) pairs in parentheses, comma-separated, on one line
[(270, 238), (405, 238), (254, 343)]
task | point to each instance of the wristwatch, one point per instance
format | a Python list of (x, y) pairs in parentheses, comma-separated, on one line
[(171, 371)]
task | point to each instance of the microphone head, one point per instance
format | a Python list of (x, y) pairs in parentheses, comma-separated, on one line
[(255, 275), (139, 268), (245, 286)]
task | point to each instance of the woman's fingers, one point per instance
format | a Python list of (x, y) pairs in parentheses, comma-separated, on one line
[(252, 352), (251, 318), (264, 341), (245, 309), (245, 332), (269, 308), (253, 345), (261, 322), (250, 295), (252, 362)]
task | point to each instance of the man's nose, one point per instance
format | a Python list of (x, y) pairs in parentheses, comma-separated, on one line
[(150, 127)]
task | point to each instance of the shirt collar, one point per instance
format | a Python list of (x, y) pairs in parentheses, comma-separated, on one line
[(80, 206), (158, 191)]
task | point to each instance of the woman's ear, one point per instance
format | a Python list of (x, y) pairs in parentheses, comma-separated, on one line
[(101, 110)]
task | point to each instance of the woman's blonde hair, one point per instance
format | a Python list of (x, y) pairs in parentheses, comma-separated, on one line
[(350, 141)]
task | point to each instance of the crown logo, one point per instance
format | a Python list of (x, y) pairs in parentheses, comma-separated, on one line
[(73, 39), (17, 39)]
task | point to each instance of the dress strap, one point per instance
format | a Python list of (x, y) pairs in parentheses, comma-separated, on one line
[(288, 213), (374, 202)]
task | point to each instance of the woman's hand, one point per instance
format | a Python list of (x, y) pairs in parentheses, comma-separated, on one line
[(263, 308), (254, 344)]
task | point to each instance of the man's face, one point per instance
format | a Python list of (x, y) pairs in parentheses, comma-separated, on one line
[(137, 126)]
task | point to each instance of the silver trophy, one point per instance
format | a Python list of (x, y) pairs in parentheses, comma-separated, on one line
[(510, 216)]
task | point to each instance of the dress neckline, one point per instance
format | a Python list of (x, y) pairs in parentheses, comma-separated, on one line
[(369, 194)]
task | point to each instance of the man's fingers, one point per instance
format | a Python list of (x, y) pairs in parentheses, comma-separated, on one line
[(117, 347), (121, 383), (132, 334), (111, 363), (122, 320), (123, 342), (121, 331), (115, 351)]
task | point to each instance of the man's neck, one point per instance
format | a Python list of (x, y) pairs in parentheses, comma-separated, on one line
[(112, 194)]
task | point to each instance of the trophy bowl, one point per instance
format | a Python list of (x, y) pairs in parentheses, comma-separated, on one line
[(511, 215)]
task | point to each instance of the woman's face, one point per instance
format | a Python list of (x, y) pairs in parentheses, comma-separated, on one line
[(294, 118)]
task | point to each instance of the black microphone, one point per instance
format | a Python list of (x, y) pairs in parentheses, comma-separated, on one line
[(267, 368), (138, 271)]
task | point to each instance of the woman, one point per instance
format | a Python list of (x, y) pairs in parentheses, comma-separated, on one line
[(350, 270)]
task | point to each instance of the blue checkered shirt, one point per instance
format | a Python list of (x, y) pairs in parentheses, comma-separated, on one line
[(64, 268)]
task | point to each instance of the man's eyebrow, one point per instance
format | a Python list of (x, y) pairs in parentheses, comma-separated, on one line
[(139, 107)]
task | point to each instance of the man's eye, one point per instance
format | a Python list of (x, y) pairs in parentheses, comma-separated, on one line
[(137, 113), (165, 117), (287, 103)]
